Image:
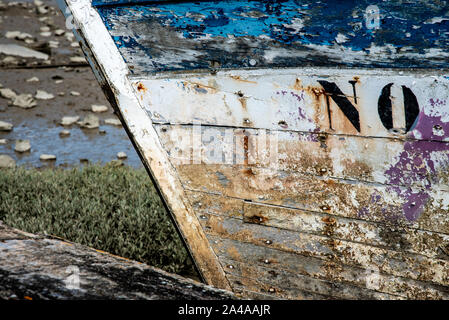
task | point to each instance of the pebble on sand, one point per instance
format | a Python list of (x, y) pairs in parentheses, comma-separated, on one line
[(68, 121), (112, 121), (64, 133), (6, 161), (77, 59), (7, 93), (47, 157), (5, 126), (22, 146), (90, 122), (43, 95), (21, 51), (24, 101), (10, 60), (122, 155), (99, 108), (33, 79), (17, 35), (59, 32), (75, 93)]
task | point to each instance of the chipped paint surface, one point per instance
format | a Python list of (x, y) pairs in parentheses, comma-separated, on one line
[(348, 102), (300, 182), (186, 35)]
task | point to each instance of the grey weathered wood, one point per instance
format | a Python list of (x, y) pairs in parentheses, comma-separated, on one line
[(393, 237), (334, 271), (350, 199), (37, 267), (395, 263), (292, 284)]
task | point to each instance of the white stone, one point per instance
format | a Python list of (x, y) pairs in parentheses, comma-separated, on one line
[(77, 59), (10, 60), (25, 101), (33, 79), (53, 44), (99, 108), (47, 157), (90, 122), (6, 161), (114, 122), (64, 133), (43, 95), (21, 51), (59, 32), (122, 155), (67, 121), (5, 126), (18, 35), (74, 93), (3, 141), (7, 93), (42, 10), (22, 146)]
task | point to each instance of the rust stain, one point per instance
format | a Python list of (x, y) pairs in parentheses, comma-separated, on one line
[(238, 78), (199, 87), (141, 88), (257, 218), (242, 100), (298, 85), (248, 172), (245, 148), (329, 225)]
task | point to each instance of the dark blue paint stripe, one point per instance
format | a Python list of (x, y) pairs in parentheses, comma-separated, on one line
[(409, 30)]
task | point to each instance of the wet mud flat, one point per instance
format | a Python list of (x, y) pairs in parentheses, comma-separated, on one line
[(38, 267), (39, 88)]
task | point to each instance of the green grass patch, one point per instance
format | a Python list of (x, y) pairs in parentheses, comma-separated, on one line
[(114, 209)]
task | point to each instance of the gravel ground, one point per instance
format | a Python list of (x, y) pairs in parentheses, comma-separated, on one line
[(46, 90)]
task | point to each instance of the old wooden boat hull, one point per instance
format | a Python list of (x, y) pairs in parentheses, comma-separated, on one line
[(301, 147)]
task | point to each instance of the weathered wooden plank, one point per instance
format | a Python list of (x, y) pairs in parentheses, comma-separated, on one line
[(396, 238), (289, 284), (255, 285), (421, 164), (42, 268), (253, 255), (380, 103), (189, 35), (112, 73), (395, 263), (396, 206)]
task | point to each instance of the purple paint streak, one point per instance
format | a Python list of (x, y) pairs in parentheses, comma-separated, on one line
[(415, 165)]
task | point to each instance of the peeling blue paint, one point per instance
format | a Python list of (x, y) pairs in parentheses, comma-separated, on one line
[(408, 31)]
